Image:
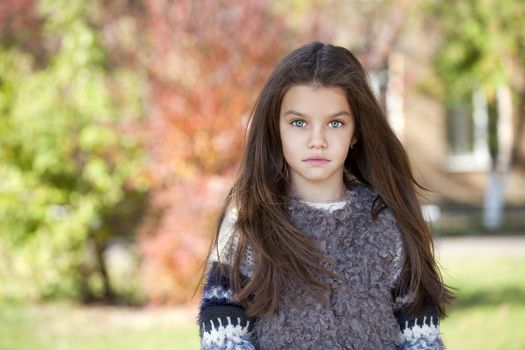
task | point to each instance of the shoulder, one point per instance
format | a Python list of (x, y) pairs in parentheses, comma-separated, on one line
[(367, 199), (228, 222), (361, 188), (226, 235), (228, 243), (363, 194)]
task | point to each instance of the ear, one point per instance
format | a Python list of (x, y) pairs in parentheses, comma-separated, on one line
[(355, 138)]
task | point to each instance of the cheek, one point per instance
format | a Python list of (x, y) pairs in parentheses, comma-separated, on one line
[(290, 142), (344, 144), (291, 152), (287, 150), (284, 144)]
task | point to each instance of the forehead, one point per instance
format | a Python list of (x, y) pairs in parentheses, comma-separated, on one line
[(310, 99)]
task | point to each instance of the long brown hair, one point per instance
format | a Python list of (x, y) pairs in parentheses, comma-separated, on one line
[(282, 253)]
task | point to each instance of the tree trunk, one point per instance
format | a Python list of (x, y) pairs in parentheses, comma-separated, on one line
[(107, 291), (517, 156), (500, 172)]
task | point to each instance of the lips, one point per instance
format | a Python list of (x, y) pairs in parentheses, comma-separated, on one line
[(316, 161)]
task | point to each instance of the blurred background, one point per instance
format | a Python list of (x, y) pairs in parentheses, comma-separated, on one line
[(122, 124)]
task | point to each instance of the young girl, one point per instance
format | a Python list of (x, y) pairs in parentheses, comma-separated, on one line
[(321, 243)]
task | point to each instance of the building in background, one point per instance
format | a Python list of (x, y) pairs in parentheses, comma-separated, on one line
[(449, 147)]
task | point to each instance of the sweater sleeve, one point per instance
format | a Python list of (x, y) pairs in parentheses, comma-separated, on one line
[(420, 332), (223, 322)]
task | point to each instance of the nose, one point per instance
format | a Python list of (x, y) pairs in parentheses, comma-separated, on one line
[(317, 139)]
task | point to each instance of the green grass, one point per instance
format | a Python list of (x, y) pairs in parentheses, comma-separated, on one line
[(490, 310), (65, 327), (489, 314)]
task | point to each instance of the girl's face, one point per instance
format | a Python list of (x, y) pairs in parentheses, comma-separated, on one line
[(317, 128)]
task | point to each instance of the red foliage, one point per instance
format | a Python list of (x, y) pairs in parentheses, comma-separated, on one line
[(16, 15), (20, 25), (206, 62)]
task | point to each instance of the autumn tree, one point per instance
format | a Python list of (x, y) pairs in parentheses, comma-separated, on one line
[(70, 161), (205, 62)]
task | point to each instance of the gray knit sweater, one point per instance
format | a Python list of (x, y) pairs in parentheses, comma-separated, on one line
[(358, 312)]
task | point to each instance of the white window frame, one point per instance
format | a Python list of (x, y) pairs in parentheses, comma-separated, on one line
[(479, 159)]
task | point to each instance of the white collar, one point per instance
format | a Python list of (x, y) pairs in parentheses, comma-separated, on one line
[(330, 206)]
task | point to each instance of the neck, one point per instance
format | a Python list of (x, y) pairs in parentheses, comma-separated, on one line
[(319, 193)]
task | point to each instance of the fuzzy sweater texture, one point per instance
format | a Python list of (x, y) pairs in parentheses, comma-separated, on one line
[(357, 312)]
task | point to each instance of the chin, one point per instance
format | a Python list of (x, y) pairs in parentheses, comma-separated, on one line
[(319, 178)]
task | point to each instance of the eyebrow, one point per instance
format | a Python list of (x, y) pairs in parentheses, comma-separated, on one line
[(291, 111)]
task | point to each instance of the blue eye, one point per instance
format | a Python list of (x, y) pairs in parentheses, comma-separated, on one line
[(298, 123), (336, 124)]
